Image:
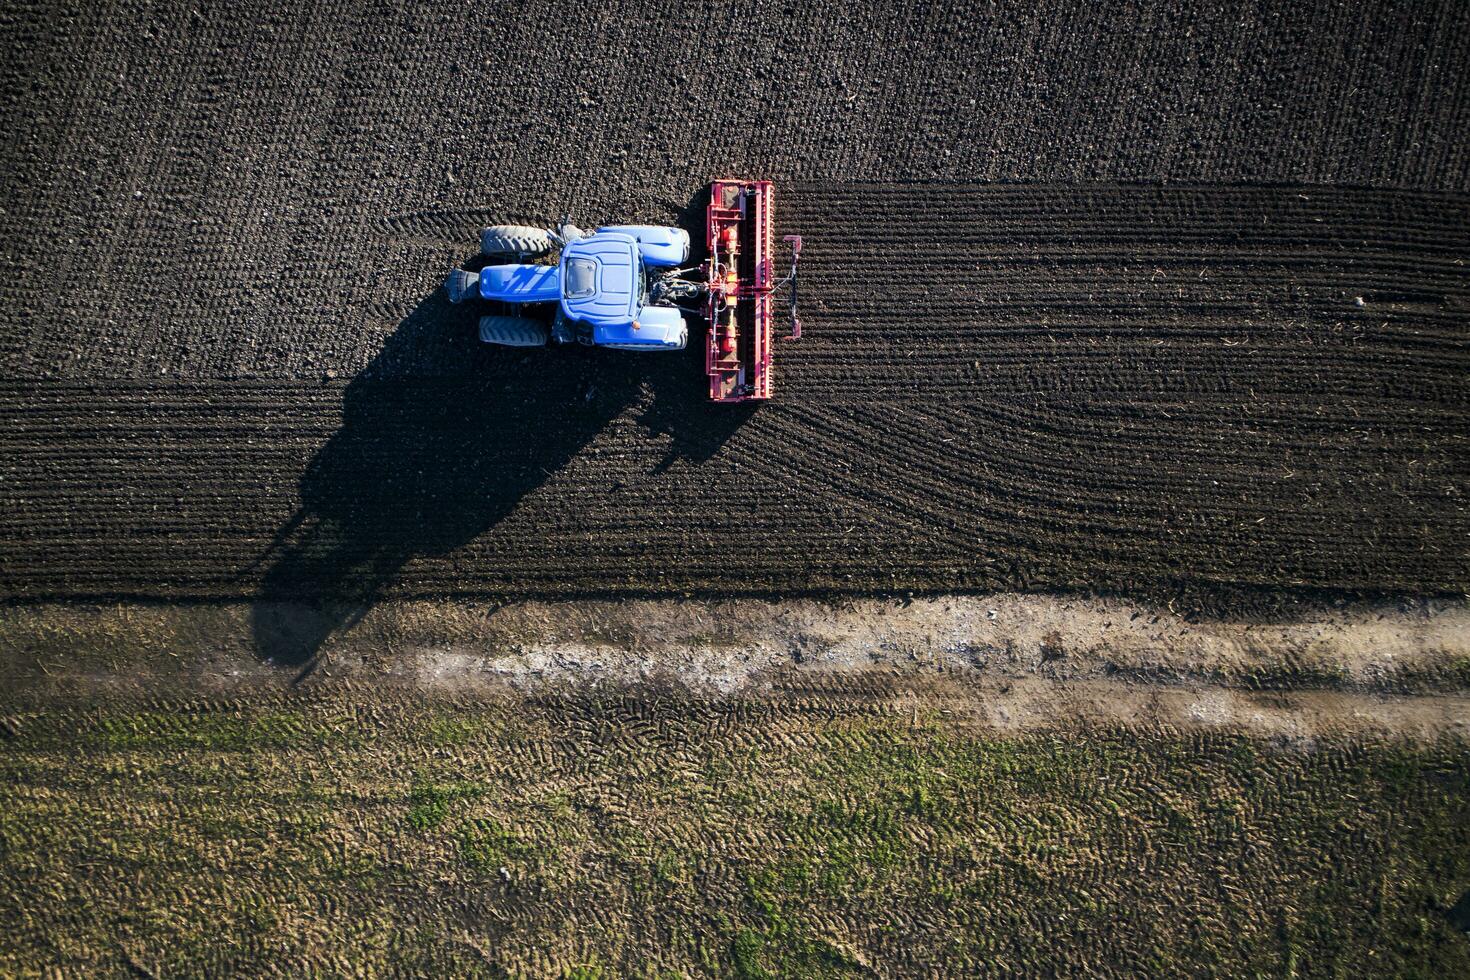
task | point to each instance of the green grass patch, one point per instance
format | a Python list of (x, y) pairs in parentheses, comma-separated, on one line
[(430, 803), (217, 730), (486, 845)]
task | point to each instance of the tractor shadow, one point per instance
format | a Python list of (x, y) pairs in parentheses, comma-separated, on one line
[(441, 438)]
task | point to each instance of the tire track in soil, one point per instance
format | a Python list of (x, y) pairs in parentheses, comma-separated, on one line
[(228, 803), (1000, 387)]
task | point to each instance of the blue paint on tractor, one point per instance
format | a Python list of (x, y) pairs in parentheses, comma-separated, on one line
[(657, 328), (601, 283), (612, 262), (661, 247), (520, 283)]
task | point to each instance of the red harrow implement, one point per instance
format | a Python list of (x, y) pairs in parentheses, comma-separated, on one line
[(738, 233)]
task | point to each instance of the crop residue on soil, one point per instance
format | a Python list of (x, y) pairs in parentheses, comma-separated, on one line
[(539, 836)]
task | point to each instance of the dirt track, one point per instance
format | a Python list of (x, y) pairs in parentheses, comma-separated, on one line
[(230, 375), (1005, 663)]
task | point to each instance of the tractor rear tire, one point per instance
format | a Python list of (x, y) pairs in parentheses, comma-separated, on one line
[(515, 239), (462, 285), (512, 331)]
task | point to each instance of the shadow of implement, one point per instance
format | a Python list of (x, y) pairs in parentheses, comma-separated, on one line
[(441, 438)]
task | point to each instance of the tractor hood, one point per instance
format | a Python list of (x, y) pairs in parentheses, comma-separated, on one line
[(519, 283), (602, 279)]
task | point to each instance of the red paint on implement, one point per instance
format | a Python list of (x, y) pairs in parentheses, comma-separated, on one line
[(738, 235)]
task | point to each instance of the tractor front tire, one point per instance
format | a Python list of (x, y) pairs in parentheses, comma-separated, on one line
[(512, 331), (515, 240)]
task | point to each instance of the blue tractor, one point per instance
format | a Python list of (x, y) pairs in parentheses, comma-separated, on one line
[(617, 287)]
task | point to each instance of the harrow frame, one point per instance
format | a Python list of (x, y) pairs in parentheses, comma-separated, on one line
[(739, 226)]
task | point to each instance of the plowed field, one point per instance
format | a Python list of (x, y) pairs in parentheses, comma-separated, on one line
[(228, 373), (1013, 387)]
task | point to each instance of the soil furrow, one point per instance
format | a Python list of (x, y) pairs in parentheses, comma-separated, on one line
[(1176, 488)]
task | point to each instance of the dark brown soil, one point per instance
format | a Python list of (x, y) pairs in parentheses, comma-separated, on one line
[(230, 374), (1031, 387)]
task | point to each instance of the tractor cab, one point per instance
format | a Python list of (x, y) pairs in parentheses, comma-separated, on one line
[(602, 279), (604, 295)]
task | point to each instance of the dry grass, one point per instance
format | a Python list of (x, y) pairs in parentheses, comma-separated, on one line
[(638, 836)]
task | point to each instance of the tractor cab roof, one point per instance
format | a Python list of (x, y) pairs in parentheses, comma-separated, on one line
[(602, 279)]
